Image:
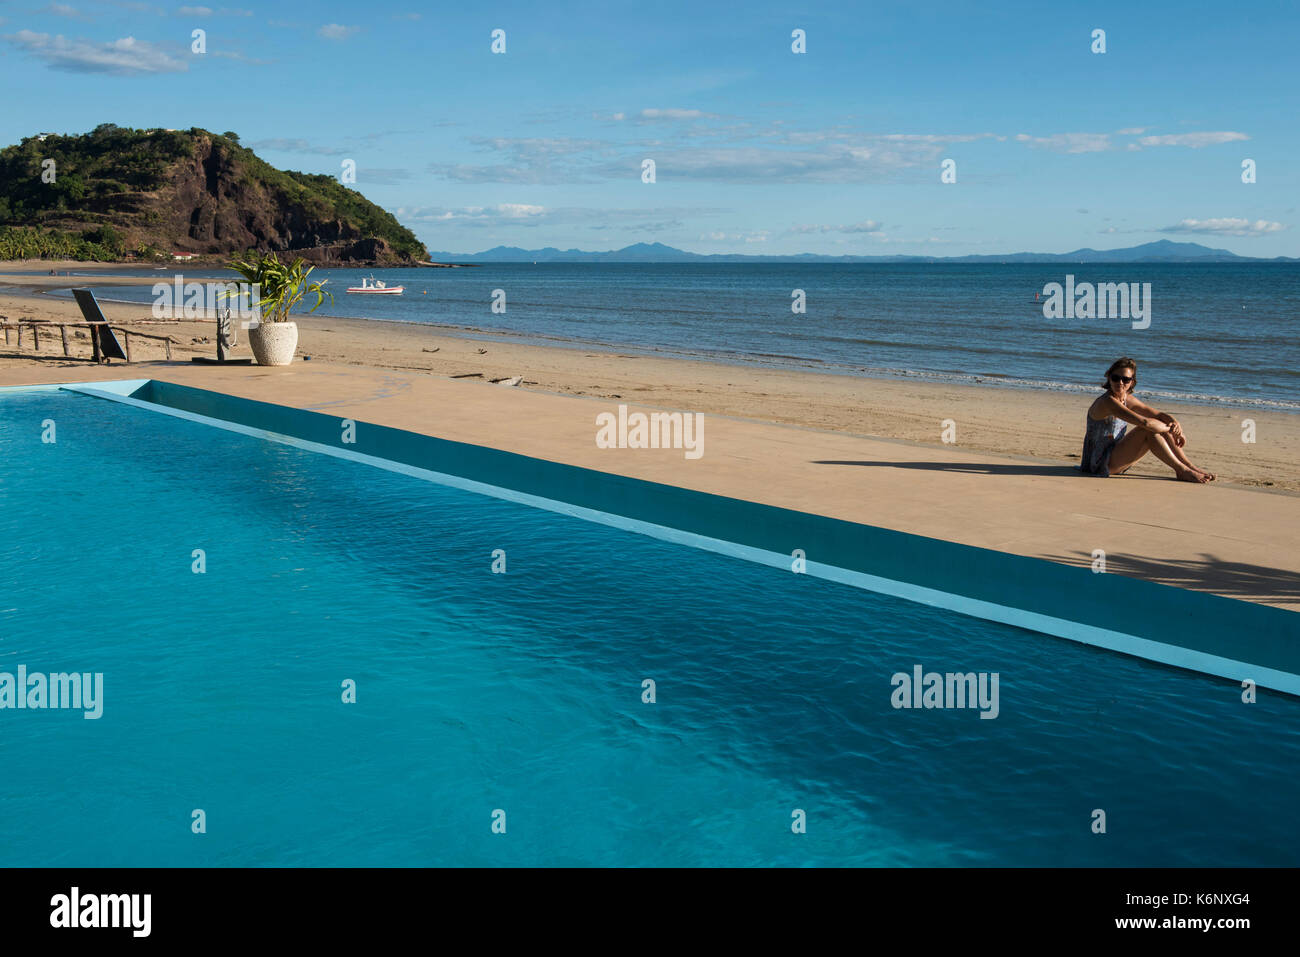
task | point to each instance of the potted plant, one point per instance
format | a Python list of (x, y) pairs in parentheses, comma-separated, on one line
[(278, 288)]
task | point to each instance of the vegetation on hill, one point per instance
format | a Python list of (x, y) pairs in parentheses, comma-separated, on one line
[(116, 192)]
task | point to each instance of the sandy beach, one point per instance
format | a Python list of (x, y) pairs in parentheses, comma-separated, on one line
[(1040, 425)]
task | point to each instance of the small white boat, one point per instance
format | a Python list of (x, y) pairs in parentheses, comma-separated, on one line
[(376, 287)]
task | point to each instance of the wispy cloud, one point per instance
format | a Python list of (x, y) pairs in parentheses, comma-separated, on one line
[(1226, 227), (652, 219), (232, 55), (287, 145), (383, 176), (65, 10), (554, 160), (137, 7), (1100, 142), (209, 12), (1193, 140), (719, 236), (1068, 142), (337, 31), (866, 226), (125, 57), (531, 160), (658, 115), (675, 114), (836, 163)]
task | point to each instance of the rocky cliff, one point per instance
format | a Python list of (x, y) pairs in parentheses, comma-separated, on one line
[(144, 193)]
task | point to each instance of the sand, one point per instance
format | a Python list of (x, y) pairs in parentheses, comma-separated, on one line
[(1014, 423)]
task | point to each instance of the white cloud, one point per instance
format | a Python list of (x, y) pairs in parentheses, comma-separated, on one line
[(1193, 140), (194, 12), (286, 145), (519, 210), (381, 176), (233, 55), (1100, 142), (65, 10), (136, 7), (718, 236), (337, 31), (1226, 227), (837, 157), (529, 214), (655, 114), (1068, 142), (125, 57), (866, 226)]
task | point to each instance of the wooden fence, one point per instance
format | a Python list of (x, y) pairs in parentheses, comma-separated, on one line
[(37, 325)]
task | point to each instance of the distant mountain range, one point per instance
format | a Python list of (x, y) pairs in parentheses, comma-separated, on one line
[(1162, 251)]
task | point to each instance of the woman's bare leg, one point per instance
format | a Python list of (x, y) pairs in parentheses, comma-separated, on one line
[(1161, 449), (1182, 457), (1129, 449), (1138, 442)]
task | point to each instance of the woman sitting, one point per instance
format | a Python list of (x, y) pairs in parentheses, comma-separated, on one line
[(1108, 446)]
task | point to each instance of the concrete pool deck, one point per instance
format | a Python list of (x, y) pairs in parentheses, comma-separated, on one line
[(1231, 541)]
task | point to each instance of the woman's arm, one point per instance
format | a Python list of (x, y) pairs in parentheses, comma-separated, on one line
[(1143, 409), (1175, 430), (1113, 406)]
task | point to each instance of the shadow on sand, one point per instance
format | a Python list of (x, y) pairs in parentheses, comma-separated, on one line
[(1207, 573), (974, 468)]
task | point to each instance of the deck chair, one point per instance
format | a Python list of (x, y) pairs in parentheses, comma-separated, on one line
[(102, 339), (226, 338)]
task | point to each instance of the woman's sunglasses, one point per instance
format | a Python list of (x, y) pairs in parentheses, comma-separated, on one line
[(1126, 379)]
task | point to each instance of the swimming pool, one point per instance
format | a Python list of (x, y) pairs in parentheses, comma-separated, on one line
[(523, 692)]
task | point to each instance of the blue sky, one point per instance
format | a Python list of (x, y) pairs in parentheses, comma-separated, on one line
[(757, 149)]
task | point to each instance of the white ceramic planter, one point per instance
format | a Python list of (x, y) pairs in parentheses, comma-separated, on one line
[(273, 343)]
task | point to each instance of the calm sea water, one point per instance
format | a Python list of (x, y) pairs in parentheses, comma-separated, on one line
[(522, 691), (1218, 332)]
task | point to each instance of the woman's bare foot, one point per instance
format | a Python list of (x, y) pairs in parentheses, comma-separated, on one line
[(1191, 475)]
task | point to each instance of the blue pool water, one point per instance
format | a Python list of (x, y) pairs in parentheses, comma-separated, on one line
[(522, 691)]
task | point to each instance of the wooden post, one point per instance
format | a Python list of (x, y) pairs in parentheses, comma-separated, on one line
[(36, 337), (20, 334), (126, 334), (63, 331), (169, 348)]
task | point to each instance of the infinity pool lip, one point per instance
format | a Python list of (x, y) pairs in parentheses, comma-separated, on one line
[(1206, 633)]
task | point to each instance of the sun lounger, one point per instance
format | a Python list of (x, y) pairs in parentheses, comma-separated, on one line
[(102, 339)]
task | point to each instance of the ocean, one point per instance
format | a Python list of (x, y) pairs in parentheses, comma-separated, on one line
[(1219, 333)]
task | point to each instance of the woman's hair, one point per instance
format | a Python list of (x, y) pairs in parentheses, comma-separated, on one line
[(1124, 363)]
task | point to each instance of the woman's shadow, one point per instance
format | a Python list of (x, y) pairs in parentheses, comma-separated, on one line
[(976, 468)]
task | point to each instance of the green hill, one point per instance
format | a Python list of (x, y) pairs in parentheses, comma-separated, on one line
[(120, 193)]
